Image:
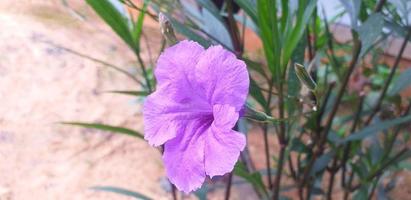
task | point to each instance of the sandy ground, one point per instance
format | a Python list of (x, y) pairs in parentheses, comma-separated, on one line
[(41, 85)]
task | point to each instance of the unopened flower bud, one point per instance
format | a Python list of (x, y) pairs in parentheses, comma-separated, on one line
[(304, 77), (167, 29)]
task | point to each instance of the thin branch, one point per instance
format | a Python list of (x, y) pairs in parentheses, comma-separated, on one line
[(389, 79), (228, 187)]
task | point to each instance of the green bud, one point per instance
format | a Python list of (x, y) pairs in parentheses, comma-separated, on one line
[(252, 114), (167, 29), (304, 77)]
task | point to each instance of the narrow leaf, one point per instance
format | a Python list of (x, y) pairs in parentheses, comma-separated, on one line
[(138, 26), (121, 191), (375, 128), (130, 92), (253, 178), (370, 31), (401, 83), (104, 127), (113, 18), (249, 7), (256, 93)]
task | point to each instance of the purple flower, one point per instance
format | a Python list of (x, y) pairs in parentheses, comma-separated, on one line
[(199, 95)]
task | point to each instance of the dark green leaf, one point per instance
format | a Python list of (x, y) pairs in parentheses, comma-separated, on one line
[(130, 92), (322, 162), (253, 178), (121, 191), (370, 31), (402, 82), (104, 127), (291, 40), (255, 92), (216, 28), (249, 7), (298, 146), (113, 18), (190, 34), (361, 194), (375, 128), (138, 27), (270, 36)]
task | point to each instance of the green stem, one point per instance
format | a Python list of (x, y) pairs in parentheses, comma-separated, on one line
[(283, 144), (143, 68)]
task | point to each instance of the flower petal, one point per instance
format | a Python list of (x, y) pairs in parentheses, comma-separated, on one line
[(222, 150), (223, 78), (184, 156), (225, 116), (167, 110), (175, 65)]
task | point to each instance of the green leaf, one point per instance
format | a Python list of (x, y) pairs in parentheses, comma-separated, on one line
[(405, 165), (402, 82), (104, 127), (322, 162), (129, 92), (190, 34), (375, 128), (253, 178), (216, 28), (249, 7), (361, 194), (121, 191), (113, 18), (370, 31), (270, 36), (138, 26), (256, 93), (291, 40)]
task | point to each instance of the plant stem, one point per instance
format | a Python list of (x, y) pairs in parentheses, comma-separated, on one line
[(292, 169), (267, 154), (143, 68), (379, 5), (173, 191), (347, 148), (283, 144), (233, 29), (389, 79), (382, 168), (374, 186), (323, 139), (228, 187), (333, 172), (342, 89)]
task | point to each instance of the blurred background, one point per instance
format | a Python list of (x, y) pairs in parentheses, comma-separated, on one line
[(52, 69)]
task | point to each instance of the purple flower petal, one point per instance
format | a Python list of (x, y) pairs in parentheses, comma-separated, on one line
[(184, 157), (165, 116), (223, 77), (176, 64), (223, 145)]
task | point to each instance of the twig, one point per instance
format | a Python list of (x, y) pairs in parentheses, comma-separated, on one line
[(173, 191), (228, 187), (347, 148), (382, 168), (267, 155), (389, 79)]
